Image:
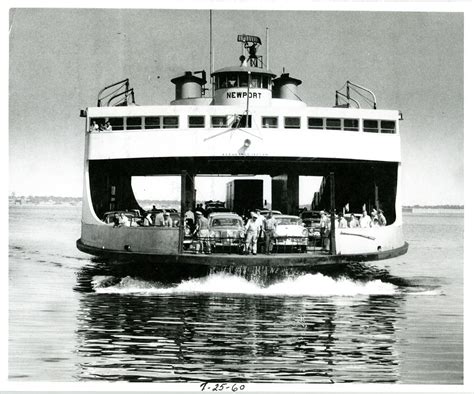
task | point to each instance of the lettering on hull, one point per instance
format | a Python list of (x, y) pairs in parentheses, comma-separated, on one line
[(252, 95)]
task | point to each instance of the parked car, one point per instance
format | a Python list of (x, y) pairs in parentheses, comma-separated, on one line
[(290, 234), (264, 212), (312, 221), (226, 230)]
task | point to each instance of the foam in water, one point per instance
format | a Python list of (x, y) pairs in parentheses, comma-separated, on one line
[(309, 284)]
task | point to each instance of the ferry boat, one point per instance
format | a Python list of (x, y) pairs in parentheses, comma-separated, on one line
[(250, 121)]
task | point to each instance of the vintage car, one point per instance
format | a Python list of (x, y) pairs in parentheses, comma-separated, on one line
[(264, 212), (226, 231), (312, 221), (290, 234)]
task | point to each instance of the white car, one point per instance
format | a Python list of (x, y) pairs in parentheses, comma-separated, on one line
[(290, 233)]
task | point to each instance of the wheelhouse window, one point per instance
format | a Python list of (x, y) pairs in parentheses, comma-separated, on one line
[(292, 122), (351, 124), (170, 122), (315, 123), (270, 122), (134, 123), (196, 122), (256, 81), (116, 123), (333, 124), (387, 126), (266, 82), (371, 126), (152, 122), (243, 80), (218, 121), (231, 81)]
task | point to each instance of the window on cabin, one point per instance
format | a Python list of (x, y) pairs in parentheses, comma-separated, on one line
[(387, 126), (241, 121), (218, 121), (196, 122), (256, 81), (333, 124), (292, 122), (351, 124), (96, 124), (170, 122), (221, 81), (315, 123), (265, 82), (134, 123), (243, 80), (231, 81), (152, 122), (270, 122), (371, 126), (116, 123)]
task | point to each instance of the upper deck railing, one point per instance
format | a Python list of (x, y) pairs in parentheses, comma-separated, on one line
[(121, 91)]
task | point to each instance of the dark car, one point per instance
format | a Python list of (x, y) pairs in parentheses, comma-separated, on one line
[(227, 230), (312, 221)]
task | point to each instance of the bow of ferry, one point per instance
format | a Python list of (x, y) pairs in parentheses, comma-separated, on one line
[(249, 122)]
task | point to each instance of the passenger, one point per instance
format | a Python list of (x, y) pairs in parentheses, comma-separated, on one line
[(324, 230), (123, 220), (116, 220), (365, 220), (260, 220), (189, 217), (251, 234), (147, 220), (381, 218), (167, 221), (160, 218), (202, 233), (373, 214), (269, 227), (94, 126), (353, 223), (108, 126), (341, 221)]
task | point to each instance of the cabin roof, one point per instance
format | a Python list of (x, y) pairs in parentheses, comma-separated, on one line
[(241, 69)]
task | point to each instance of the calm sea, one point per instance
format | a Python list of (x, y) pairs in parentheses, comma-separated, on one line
[(75, 319)]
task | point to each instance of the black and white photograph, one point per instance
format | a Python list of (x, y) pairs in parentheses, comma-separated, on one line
[(236, 197)]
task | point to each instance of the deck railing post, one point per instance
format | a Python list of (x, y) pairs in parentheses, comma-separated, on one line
[(333, 218)]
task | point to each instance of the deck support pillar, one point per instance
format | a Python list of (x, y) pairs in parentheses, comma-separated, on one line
[(188, 201), (285, 193), (332, 186)]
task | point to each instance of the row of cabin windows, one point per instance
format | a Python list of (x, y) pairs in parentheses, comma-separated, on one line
[(290, 122), (369, 125), (241, 80)]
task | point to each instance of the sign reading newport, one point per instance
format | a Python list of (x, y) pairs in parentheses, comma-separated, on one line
[(252, 95)]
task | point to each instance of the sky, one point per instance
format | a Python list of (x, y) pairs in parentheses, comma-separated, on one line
[(60, 58)]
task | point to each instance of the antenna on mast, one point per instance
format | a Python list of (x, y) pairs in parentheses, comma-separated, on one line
[(211, 52), (267, 47)]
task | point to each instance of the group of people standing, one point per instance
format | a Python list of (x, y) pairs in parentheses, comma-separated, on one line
[(102, 127), (375, 219), (255, 227)]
